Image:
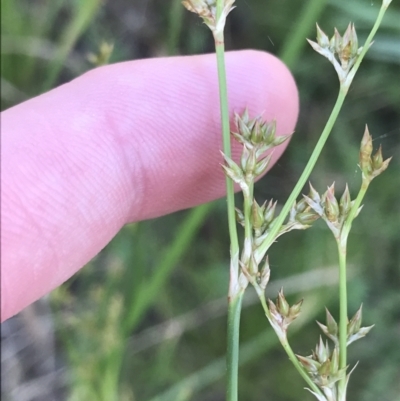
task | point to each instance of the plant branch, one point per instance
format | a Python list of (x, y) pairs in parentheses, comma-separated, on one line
[(323, 138), (304, 176), (343, 316), (342, 250)]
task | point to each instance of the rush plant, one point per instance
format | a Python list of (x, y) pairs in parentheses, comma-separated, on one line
[(326, 370)]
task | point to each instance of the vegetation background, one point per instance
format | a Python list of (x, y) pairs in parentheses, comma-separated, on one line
[(145, 320)]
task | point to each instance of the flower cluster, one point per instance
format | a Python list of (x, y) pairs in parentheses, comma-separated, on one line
[(371, 165), (329, 209), (323, 365), (256, 136), (354, 329), (282, 314), (337, 213), (207, 10), (341, 51)]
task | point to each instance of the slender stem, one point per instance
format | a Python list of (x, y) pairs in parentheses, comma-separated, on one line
[(232, 353), (342, 240), (219, 47), (304, 176), (234, 308), (342, 250), (235, 293), (343, 320)]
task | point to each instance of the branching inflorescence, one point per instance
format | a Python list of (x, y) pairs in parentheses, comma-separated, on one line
[(326, 369)]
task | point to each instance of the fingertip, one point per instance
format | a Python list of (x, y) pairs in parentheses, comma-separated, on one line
[(125, 142), (264, 83)]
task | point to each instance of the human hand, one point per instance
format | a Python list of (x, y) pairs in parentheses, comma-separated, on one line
[(122, 143)]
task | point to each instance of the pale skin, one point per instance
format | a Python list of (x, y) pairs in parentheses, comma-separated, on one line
[(122, 143)]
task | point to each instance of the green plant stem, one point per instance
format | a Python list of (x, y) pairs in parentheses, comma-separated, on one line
[(343, 319), (304, 176), (232, 352), (223, 94), (234, 310), (342, 240), (342, 251), (235, 297), (235, 293)]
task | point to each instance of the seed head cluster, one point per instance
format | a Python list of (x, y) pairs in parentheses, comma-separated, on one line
[(341, 51)]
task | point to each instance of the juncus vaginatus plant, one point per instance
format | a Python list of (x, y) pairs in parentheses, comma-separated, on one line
[(326, 370)]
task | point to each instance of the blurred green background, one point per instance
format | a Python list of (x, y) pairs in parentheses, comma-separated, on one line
[(145, 320)]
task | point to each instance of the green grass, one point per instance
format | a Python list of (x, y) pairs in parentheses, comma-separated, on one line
[(160, 270)]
